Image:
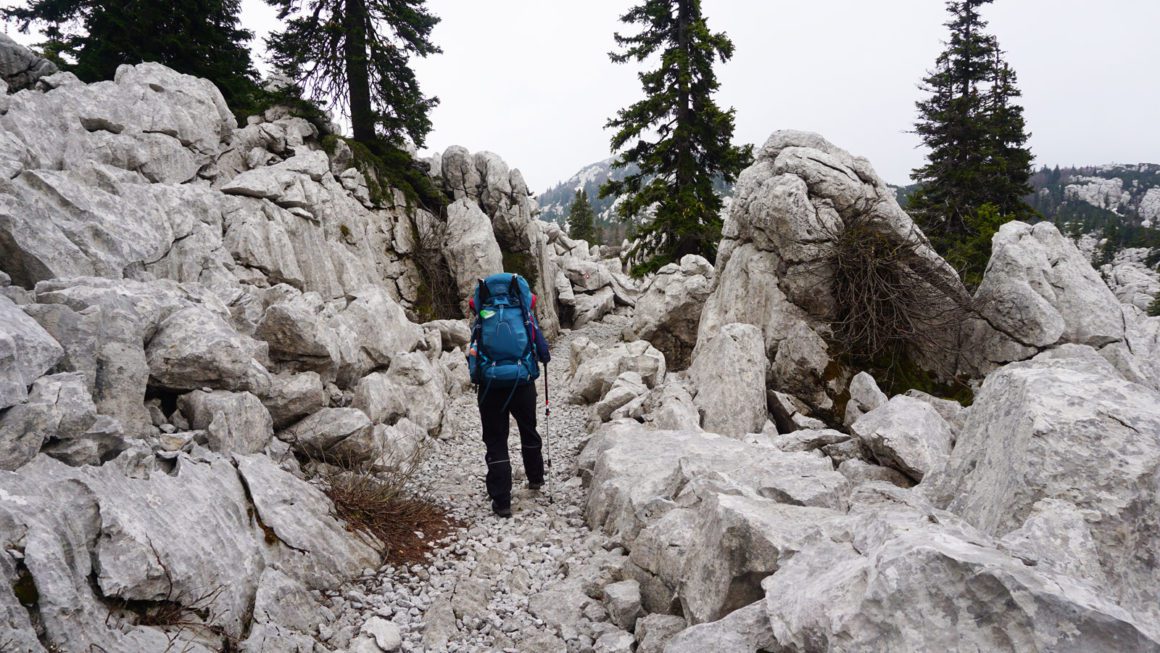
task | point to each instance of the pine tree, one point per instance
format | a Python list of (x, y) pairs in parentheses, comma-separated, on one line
[(581, 219), (978, 167), (197, 37), (671, 198), (357, 53)]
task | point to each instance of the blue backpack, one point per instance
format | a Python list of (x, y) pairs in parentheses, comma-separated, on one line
[(503, 335)]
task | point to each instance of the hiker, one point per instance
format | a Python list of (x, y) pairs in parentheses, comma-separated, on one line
[(506, 342)]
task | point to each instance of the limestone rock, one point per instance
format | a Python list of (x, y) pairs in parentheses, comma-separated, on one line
[(1033, 429), (596, 371), (294, 396), (591, 308), (625, 388), (1039, 292), (452, 333), (333, 433), (622, 600), (26, 352), (654, 631), (58, 410), (729, 378), (864, 397), (669, 311), (19, 67), (234, 422), (470, 247), (906, 434), (318, 551), (195, 348)]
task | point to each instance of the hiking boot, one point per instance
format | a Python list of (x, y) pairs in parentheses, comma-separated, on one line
[(505, 511), (535, 486)]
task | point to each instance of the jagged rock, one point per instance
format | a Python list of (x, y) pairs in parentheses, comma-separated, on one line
[(412, 387), (195, 348), (1037, 426), (594, 371), (909, 566), (234, 422), (560, 606), (668, 312), (860, 471), (400, 443), (808, 439), (729, 379), (616, 641), (291, 183), (20, 67), (385, 634), (286, 617), (1039, 292), (593, 307), (381, 327), (634, 473), (625, 388), (294, 396), (622, 600), (670, 407), (864, 397), (58, 409), (452, 333), (800, 195), (439, 625), (297, 332), (654, 631), (343, 434), (585, 276), (1057, 537), (745, 630), (26, 352), (951, 411), (470, 247), (128, 538), (906, 434), (315, 547)]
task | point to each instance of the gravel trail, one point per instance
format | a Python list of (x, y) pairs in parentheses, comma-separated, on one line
[(473, 594)]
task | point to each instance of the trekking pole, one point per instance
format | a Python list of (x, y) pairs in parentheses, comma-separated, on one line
[(548, 437)]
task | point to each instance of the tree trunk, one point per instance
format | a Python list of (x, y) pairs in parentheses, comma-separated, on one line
[(358, 79), (684, 167)]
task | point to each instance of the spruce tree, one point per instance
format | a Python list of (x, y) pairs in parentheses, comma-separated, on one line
[(978, 166), (357, 53), (670, 199), (581, 219), (197, 37)]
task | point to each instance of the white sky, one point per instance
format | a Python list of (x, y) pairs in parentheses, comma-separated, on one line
[(531, 81)]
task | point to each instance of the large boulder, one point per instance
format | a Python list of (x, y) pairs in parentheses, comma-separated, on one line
[(413, 388), (195, 348), (469, 247), (293, 397), (59, 414), (1065, 426), (26, 352), (234, 422), (775, 264), (1039, 292), (906, 434), (729, 379), (594, 370), (669, 310), (19, 66), (342, 435)]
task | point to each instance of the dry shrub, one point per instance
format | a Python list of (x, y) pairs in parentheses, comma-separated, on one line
[(379, 500), (438, 292), (892, 308)]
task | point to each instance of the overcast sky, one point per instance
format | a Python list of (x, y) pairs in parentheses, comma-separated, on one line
[(531, 80)]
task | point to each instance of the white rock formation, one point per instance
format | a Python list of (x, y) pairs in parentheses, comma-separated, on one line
[(669, 308)]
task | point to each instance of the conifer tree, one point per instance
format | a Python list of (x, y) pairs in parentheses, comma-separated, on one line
[(357, 53), (581, 219), (671, 200), (197, 37), (978, 167)]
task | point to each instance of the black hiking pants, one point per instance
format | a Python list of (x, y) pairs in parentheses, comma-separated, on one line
[(495, 418)]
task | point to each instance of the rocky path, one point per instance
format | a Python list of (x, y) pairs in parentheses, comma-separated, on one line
[(473, 595)]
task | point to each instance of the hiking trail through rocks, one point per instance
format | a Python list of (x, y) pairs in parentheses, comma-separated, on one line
[(473, 593)]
